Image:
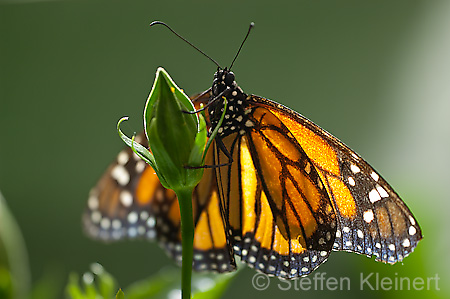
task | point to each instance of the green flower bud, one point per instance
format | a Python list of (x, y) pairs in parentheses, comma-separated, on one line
[(176, 139)]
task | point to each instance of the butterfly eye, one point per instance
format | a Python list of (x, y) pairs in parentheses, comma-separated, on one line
[(215, 87), (229, 79)]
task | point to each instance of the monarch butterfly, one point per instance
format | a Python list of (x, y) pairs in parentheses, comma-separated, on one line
[(286, 195)]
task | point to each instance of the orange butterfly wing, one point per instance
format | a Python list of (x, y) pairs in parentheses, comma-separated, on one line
[(371, 218), (275, 203)]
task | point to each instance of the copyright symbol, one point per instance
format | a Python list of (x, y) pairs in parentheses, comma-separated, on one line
[(260, 281)]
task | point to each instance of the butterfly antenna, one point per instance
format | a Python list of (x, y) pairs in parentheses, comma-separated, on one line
[(242, 44), (164, 24)]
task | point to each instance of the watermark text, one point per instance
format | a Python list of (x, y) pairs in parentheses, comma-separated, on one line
[(373, 281)]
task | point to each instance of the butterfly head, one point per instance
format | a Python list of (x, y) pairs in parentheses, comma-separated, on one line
[(223, 80)]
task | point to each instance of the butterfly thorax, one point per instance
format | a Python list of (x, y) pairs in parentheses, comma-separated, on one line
[(225, 87)]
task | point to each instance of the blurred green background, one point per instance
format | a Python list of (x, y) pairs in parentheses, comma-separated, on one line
[(373, 73)]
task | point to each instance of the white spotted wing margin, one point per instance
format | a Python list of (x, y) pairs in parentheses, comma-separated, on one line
[(113, 211), (129, 202), (383, 226)]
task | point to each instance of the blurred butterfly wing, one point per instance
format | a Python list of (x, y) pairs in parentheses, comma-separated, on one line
[(129, 202), (121, 205), (371, 217)]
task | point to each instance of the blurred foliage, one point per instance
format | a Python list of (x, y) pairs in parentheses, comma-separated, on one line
[(6, 285), (14, 272), (97, 283)]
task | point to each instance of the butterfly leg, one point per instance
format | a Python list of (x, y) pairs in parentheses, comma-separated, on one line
[(222, 148), (210, 102)]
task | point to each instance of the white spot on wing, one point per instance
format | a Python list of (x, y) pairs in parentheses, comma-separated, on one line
[(126, 198), (368, 216), (93, 202), (116, 224), (132, 217), (140, 166), (354, 168), (151, 222), (105, 223), (132, 232), (120, 174), (374, 176), (308, 167), (351, 181), (382, 192), (96, 217), (374, 196), (360, 234), (406, 243), (123, 158), (144, 215)]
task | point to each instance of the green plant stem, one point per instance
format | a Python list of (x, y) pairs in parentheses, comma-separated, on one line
[(187, 239)]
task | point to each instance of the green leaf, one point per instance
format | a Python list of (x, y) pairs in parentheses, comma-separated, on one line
[(120, 294), (73, 288), (6, 285), (96, 284), (141, 151), (106, 283)]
